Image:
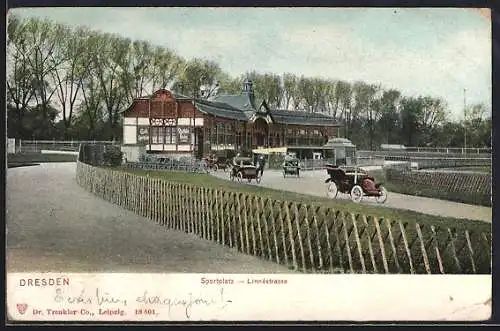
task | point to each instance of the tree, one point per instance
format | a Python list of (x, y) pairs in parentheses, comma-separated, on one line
[(109, 54), (165, 67), (20, 90), (72, 66), (411, 112), (389, 118), (475, 126), (290, 88), (43, 36), (344, 93), (199, 77)]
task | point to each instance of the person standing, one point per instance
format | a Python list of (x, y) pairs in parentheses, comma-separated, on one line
[(261, 165)]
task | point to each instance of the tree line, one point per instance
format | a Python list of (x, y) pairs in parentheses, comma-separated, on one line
[(65, 83)]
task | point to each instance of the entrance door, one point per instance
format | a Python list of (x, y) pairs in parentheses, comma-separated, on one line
[(261, 130), (199, 143)]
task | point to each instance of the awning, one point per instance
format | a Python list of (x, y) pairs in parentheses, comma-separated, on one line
[(268, 151)]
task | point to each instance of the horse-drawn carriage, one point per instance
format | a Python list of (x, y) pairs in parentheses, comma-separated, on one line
[(243, 168), (354, 181), (291, 166)]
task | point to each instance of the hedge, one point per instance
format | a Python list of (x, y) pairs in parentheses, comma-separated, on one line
[(39, 158), (306, 235), (473, 188)]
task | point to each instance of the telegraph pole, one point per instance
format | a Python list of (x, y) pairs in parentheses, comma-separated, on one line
[(465, 123)]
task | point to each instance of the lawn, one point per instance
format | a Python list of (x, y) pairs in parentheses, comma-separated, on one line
[(208, 181)]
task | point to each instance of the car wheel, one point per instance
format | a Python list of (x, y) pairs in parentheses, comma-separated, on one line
[(332, 190), (383, 194), (356, 194)]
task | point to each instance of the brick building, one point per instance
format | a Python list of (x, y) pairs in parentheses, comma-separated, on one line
[(176, 124)]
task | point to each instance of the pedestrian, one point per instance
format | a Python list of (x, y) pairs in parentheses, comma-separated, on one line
[(261, 165)]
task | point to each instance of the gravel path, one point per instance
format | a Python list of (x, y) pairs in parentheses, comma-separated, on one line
[(55, 225), (312, 183)]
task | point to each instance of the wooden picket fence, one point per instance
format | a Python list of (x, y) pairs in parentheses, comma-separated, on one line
[(304, 237)]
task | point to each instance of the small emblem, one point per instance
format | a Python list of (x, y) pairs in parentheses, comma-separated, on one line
[(22, 307)]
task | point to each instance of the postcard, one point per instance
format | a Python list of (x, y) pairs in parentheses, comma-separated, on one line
[(248, 164)]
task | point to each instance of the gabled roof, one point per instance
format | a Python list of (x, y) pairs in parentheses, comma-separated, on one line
[(243, 102), (220, 109)]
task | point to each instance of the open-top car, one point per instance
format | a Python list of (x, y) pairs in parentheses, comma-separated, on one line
[(220, 160), (354, 181), (243, 168), (215, 163)]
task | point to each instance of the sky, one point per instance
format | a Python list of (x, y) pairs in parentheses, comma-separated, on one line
[(420, 51)]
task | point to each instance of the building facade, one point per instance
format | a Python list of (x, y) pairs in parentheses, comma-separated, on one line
[(176, 124)]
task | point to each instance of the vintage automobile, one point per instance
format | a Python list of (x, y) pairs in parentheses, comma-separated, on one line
[(215, 163), (243, 168), (221, 160), (291, 166), (354, 181)]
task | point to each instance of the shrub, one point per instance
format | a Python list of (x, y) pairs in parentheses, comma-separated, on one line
[(112, 156)]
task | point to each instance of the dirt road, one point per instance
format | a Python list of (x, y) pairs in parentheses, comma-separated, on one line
[(55, 225)]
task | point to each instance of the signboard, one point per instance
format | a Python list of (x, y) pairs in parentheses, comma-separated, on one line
[(184, 135)]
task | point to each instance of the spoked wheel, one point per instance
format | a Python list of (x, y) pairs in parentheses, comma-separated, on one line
[(239, 176), (332, 190), (383, 194), (356, 194)]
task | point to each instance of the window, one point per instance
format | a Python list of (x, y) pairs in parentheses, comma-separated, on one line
[(220, 133), (157, 133), (170, 135)]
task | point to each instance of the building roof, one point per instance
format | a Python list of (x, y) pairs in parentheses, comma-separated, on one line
[(301, 117), (248, 106), (244, 107), (222, 110)]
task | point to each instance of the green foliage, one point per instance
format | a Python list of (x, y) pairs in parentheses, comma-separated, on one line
[(112, 156), (22, 158), (459, 187)]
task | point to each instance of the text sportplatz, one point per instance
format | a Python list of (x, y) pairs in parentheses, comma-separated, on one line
[(248, 280)]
